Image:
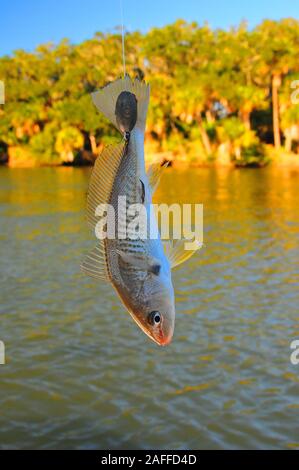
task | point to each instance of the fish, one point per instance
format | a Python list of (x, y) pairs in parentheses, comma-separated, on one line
[(139, 268)]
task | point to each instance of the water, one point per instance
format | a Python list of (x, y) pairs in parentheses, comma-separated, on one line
[(80, 374)]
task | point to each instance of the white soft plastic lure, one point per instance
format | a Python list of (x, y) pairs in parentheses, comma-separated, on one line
[(138, 269)]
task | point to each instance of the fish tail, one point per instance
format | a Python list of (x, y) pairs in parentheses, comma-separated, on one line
[(105, 99)]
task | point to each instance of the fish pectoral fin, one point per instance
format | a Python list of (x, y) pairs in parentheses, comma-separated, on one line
[(95, 264), (176, 252), (144, 263), (154, 174)]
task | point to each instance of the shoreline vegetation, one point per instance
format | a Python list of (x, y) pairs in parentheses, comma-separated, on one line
[(218, 98)]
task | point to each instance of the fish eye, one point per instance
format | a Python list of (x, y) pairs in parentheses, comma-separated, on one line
[(154, 317)]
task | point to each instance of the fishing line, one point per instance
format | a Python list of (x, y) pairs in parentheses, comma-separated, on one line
[(122, 35)]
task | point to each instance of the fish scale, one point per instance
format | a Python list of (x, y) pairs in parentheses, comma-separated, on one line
[(126, 185)]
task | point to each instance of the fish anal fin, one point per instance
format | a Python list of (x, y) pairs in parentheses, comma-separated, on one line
[(142, 191), (154, 174)]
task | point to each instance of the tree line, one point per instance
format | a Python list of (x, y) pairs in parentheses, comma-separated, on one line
[(215, 94)]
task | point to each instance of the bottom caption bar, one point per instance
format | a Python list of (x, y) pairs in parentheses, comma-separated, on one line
[(138, 458)]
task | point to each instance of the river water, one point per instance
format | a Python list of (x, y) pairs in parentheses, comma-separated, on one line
[(80, 374)]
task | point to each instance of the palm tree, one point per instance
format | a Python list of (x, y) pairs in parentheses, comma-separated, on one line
[(278, 49)]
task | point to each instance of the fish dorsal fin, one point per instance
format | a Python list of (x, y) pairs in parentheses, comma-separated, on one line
[(154, 174), (176, 253), (101, 180), (105, 98), (100, 187), (95, 263)]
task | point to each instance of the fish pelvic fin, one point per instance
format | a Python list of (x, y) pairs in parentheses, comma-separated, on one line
[(101, 183), (105, 99), (176, 252)]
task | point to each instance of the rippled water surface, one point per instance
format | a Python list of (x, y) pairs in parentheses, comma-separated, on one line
[(80, 374)]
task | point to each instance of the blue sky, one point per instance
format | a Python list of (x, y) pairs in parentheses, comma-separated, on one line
[(27, 23)]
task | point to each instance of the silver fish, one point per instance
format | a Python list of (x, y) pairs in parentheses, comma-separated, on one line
[(138, 269)]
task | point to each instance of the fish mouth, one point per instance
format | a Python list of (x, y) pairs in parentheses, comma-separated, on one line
[(165, 340), (161, 338)]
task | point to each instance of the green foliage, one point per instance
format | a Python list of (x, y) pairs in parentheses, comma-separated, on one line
[(43, 144), (209, 90), (230, 129), (68, 139)]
